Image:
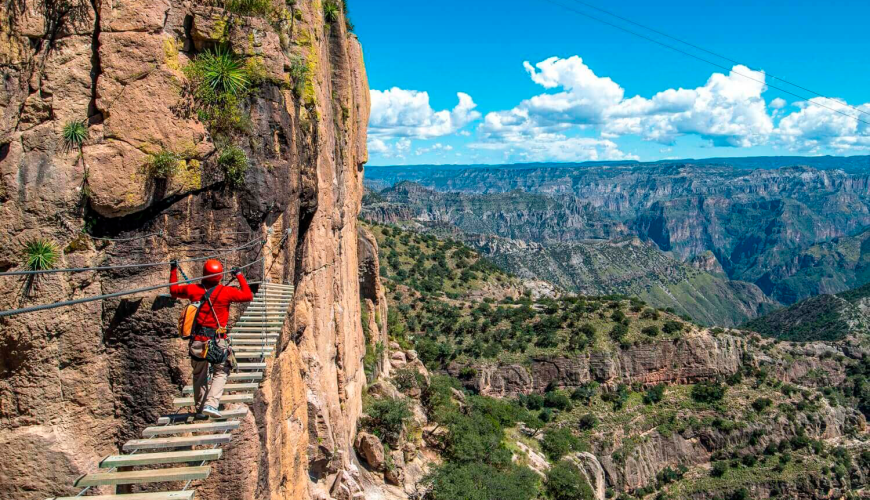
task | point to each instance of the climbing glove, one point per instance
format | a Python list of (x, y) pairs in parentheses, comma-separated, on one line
[(173, 264), (235, 271)]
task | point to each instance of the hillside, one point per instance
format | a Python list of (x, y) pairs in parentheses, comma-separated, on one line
[(536, 236), (641, 402), (824, 317), (825, 268)]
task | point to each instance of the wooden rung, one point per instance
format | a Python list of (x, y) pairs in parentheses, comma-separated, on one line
[(227, 398), (161, 495), (254, 335), (235, 377), (228, 387), (249, 323), (254, 341), (183, 417), (144, 476), (252, 366), (166, 430), (251, 329), (176, 442), (252, 355), (166, 457)]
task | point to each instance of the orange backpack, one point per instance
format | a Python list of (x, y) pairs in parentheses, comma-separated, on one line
[(187, 320)]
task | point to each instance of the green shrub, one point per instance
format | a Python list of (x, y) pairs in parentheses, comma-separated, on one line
[(585, 392), (74, 134), (557, 400), (299, 74), (652, 331), (385, 418), (559, 442), (40, 255), (219, 81), (654, 394), (761, 404), (248, 7), (233, 162), (672, 327), (476, 481), (566, 482), (587, 422), (163, 165), (719, 469), (708, 392)]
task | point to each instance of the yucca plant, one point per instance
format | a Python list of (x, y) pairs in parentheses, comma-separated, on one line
[(40, 255), (331, 11), (74, 134), (224, 72)]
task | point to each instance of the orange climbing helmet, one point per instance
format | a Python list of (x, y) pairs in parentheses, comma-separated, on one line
[(212, 266)]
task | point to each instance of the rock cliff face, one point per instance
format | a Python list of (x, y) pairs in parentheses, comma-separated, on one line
[(697, 357), (77, 382)]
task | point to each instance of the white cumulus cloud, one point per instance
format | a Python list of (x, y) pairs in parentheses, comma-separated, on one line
[(407, 113), (815, 128)]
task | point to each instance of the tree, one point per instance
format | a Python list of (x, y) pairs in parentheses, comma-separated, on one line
[(708, 392), (672, 327), (587, 422), (654, 394), (386, 418), (566, 482), (559, 442), (475, 481)]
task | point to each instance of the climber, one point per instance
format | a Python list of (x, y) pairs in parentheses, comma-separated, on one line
[(211, 323)]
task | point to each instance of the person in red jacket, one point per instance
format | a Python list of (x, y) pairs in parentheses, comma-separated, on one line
[(211, 322)]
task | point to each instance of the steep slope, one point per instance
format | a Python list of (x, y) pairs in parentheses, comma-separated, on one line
[(640, 402), (537, 236), (824, 317), (631, 267), (169, 170), (825, 268)]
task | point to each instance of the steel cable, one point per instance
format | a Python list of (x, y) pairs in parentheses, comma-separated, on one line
[(44, 307), (129, 266)]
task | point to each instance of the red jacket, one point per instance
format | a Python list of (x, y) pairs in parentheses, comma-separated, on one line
[(221, 298)]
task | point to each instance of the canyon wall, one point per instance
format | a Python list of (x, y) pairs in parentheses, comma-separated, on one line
[(77, 382)]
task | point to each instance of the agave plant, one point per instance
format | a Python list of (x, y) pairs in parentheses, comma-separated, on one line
[(74, 134), (331, 11), (224, 72), (40, 255)]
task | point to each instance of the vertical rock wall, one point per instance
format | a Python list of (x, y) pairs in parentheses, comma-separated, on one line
[(75, 383)]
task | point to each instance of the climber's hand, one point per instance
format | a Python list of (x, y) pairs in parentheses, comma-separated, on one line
[(235, 271), (173, 264)]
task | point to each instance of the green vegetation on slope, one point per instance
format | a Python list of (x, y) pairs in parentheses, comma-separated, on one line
[(752, 423), (825, 317)]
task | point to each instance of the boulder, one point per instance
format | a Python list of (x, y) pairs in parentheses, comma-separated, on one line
[(371, 449)]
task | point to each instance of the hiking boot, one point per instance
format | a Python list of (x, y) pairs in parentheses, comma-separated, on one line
[(212, 412)]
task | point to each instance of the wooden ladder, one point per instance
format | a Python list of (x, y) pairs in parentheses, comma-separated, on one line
[(178, 447)]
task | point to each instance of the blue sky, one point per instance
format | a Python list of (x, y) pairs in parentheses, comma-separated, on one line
[(590, 91)]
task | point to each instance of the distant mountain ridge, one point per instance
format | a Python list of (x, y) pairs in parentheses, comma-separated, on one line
[(757, 224)]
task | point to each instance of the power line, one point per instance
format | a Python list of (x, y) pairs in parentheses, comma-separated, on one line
[(681, 51), (128, 266), (702, 49), (45, 307)]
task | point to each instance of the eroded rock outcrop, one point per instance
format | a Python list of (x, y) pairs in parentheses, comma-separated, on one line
[(698, 356), (77, 382)]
